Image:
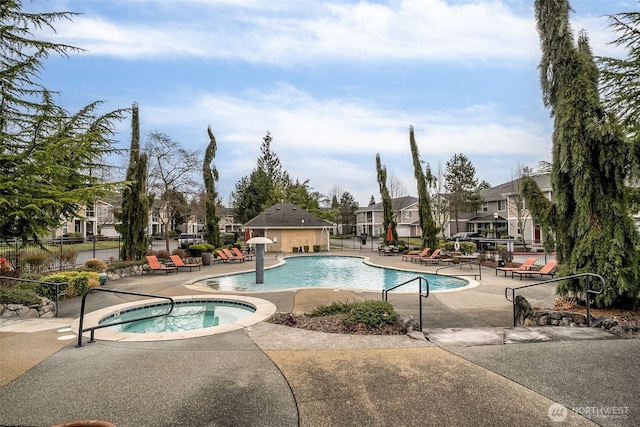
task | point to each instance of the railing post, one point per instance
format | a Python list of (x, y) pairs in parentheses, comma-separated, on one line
[(420, 300), (588, 295)]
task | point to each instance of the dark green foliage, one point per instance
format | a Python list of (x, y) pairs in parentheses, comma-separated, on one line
[(462, 187), (78, 282), (197, 250), (347, 211), (269, 184), (591, 215), (48, 156), (429, 236), (210, 176), (18, 295), (373, 314), (134, 214), (387, 203)]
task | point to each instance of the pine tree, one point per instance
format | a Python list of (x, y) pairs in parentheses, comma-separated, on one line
[(48, 156), (425, 213), (590, 215), (210, 176), (462, 188), (134, 214)]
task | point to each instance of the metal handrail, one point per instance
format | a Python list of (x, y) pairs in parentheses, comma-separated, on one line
[(93, 328), (478, 276), (385, 293), (58, 285), (558, 279)]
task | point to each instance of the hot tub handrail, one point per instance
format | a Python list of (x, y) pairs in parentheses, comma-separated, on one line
[(113, 291), (588, 291)]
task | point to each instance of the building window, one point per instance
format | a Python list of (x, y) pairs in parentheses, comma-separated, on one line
[(369, 216), (485, 207), (502, 205)]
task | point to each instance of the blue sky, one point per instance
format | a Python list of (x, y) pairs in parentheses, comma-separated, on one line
[(335, 82)]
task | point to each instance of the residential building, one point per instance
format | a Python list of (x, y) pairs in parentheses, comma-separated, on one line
[(369, 220)]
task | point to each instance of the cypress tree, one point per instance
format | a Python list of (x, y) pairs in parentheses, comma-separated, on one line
[(210, 176), (425, 213), (590, 215), (134, 214), (387, 204)]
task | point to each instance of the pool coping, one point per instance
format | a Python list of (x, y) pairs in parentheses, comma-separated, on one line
[(193, 284), (264, 310)]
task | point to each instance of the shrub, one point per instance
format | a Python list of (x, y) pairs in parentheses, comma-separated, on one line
[(316, 248), (180, 252), (124, 264), (229, 238), (162, 254), (306, 248), (467, 247), (95, 264), (67, 256), (210, 247), (332, 309), (372, 314), (197, 249), (18, 295), (35, 261), (78, 282)]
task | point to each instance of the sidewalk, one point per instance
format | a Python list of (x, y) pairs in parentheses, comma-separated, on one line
[(278, 376)]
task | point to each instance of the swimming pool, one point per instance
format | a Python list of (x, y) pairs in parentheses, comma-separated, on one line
[(329, 271), (185, 316)]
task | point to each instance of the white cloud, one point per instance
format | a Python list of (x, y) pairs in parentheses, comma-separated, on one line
[(294, 32)]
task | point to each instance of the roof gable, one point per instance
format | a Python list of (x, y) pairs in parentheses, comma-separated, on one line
[(286, 215)]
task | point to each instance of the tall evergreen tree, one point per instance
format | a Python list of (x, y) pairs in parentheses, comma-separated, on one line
[(425, 214), (590, 215), (134, 214), (210, 176), (387, 203), (48, 156), (462, 188)]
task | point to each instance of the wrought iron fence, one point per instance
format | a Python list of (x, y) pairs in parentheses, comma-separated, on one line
[(56, 254)]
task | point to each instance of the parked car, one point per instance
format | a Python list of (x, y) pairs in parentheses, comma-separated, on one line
[(463, 236), (189, 239)]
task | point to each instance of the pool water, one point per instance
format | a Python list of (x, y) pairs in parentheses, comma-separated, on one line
[(186, 315), (329, 271)]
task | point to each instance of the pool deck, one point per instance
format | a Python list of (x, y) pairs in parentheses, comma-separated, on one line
[(474, 369)]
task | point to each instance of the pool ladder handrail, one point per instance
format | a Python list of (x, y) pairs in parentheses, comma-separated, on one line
[(559, 279), (385, 292), (93, 328)]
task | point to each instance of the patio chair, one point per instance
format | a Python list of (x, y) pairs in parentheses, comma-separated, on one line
[(547, 270), (433, 258), (423, 254), (229, 255), (177, 261), (154, 265), (225, 258), (239, 253), (526, 265)]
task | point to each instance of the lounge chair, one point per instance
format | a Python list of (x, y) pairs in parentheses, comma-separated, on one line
[(433, 258), (547, 270), (177, 261), (238, 253), (526, 265), (225, 258), (155, 265), (230, 255), (423, 254)]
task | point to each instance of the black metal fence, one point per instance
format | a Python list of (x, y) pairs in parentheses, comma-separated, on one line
[(56, 254)]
